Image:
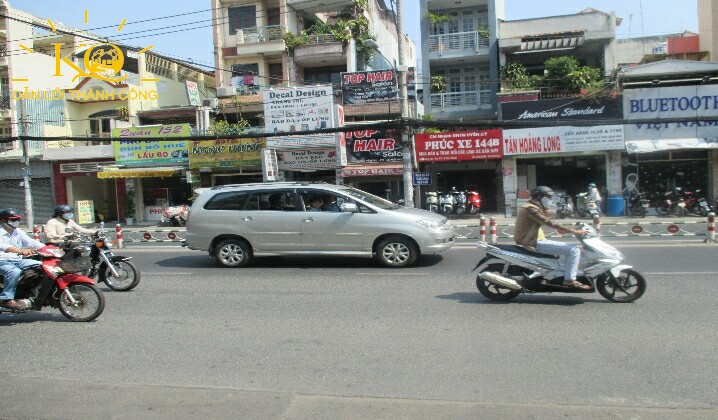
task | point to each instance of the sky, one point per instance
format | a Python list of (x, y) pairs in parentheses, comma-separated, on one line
[(189, 37)]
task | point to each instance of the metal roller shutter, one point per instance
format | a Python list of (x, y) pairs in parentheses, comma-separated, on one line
[(12, 194)]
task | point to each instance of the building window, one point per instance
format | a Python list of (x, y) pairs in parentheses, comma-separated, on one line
[(242, 17), (324, 75), (276, 75), (101, 127), (273, 16), (245, 78)]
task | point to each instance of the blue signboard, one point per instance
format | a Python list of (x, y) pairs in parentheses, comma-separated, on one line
[(422, 178)]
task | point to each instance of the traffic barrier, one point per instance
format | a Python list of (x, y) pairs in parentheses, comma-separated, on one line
[(35, 233), (118, 232), (492, 233), (482, 230), (711, 229)]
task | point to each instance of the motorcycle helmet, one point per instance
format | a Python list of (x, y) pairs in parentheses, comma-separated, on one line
[(62, 209), (591, 185), (541, 192), (9, 213)]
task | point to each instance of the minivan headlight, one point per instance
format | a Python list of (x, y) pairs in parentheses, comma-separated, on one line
[(431, 224)]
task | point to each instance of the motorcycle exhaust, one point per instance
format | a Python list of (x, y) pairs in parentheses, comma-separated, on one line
[(500, 280)]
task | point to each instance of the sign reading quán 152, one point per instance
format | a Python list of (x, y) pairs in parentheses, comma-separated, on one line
[(130, 148)]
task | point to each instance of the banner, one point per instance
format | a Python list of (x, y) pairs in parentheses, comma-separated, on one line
[(131, 150), (288, 110), (458, 146), (528, 141), (223, 153), (366, 87), (373, 146), (270, 170), (562, 109), (85, 210), (311, 159)]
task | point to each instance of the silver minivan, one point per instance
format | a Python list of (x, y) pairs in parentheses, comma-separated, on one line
[(234, 223)]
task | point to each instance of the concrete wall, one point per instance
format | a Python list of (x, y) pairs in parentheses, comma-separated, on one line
[(707, 21)]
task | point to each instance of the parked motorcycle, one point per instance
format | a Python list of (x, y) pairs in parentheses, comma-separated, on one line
[(116, 271), (432, 201), (176, 216), (696, 203), (473, 202), (460, 199), (57, 282), (447, 201), (672, 202), (509, 270), (586, 207), (637, 203), (564, 206)]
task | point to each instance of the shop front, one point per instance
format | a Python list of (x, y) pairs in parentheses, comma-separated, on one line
[(680, 147), (226, 161), (465, 160), (564, 158)]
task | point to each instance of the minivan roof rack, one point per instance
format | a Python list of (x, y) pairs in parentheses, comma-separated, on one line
[(263, 184)]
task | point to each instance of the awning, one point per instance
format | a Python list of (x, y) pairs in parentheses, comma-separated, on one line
[(382, 169), (112, 173)]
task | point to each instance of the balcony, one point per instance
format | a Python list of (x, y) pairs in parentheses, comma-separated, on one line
[(260, 39), (3, 55), (460, 44), (4, 103), (320, 50), (461, 101), (318, 6)]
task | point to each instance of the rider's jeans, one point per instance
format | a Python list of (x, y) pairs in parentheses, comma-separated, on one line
[(11, 271), (572, 253)]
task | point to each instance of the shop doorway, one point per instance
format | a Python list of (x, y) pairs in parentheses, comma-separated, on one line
[(484, 181), (567, 174), (663, 171)]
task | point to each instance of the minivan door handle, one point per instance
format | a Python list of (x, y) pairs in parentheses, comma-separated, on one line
[(248, 218), (308, 219)]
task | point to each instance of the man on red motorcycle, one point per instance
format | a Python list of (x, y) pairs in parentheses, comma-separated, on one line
[(531, 217), (14, 244)]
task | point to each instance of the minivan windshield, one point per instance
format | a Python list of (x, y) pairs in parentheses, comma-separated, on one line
[(370, 199)]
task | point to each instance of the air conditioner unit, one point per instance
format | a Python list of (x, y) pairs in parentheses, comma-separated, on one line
[(224, 91), (210, 102)]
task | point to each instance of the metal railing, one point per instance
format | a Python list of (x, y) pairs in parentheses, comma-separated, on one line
[(320, 39), (3, 50), (260, 34), (460, 99), (457, 42)]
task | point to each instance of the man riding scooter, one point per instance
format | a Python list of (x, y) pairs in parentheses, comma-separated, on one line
[(531, 217)]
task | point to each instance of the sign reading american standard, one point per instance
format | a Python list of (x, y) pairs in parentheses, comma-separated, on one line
[(458, 146), (690, 102), (562, 109), (367, 87), (528, 141)]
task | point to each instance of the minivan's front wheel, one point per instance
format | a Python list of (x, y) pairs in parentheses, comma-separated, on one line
[(396, 252), (232, 253)]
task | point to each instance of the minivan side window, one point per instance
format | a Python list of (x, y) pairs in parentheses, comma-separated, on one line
[(330, 201), (283, 200), (232, 200)]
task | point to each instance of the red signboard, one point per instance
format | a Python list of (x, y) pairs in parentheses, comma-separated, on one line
[(459, 145)]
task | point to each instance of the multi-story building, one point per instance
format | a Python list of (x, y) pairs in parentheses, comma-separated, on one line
[(707, 21), (146, 88), (274, 44)]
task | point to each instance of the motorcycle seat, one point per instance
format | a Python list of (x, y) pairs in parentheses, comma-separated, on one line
[(522, 250)]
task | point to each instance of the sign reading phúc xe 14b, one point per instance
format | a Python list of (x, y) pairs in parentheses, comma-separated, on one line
[(130, 149)]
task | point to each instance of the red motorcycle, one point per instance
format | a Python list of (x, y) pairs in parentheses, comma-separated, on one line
[(695, 203), (473, 202), (176, 216), (56, 283)]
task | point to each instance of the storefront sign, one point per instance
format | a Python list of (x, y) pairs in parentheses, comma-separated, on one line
[(368, 171), (223, 153), (193, 93), (111, 173), (366, 87), (458, 146), (562, 109), (85, 211), (529, 141), (288, 110), (311, 159), (130, 149), (690, 102), (270, 170), (421, 178), (373, 146)]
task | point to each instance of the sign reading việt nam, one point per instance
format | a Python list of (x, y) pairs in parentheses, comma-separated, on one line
[(131, 149)]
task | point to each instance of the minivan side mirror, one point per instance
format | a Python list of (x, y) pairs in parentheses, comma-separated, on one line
[(349, 208)]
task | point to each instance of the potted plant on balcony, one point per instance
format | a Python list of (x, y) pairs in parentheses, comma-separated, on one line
[(128, 206), (438, 84)]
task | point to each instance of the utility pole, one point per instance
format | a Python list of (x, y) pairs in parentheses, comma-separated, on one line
[(26, 167), (406, 139)]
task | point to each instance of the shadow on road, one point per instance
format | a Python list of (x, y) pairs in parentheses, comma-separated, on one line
[(300, 261), (8, 319), (560, 300)]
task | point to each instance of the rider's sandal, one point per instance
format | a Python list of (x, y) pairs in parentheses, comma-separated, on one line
[(575, 284)]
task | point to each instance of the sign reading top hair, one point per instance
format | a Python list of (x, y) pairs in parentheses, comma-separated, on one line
[(571, 109), (367, 87)]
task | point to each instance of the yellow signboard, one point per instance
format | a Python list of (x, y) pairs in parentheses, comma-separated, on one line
[(131, 149), (226, 152), (85, 211), (136, 173)]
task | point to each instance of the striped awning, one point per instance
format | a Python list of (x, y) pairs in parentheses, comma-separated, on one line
[(113, 173)]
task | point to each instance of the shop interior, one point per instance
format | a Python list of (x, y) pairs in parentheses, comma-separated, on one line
[(566, 174)]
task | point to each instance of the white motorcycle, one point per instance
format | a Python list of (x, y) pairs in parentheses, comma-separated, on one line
[(508, 270), (432, 201), (447, 201)]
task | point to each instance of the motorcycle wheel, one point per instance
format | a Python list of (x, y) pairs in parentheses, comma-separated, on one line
[(663, 209), (637, 211), (396, 252), (473, 210), (495, 292), (89, 302), (128, 279), (632, 282), (232, 253), (460, 210)]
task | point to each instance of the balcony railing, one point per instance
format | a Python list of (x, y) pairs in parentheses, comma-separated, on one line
[(3, 50), (320, 39), (477, 98), (260, 34), (456, 42)]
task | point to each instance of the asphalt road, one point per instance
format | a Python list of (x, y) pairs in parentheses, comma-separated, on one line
[(345, 338)]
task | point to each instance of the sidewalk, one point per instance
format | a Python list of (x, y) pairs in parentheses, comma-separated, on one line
[(501, 219)]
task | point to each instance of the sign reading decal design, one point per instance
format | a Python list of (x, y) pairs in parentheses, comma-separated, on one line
[(458, 146), (223, 153), (130, 149), (527, 141), (307, 159), (289, 110)]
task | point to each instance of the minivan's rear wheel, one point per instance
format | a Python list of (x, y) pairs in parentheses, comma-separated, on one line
[(233, 253), (396, 252)]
